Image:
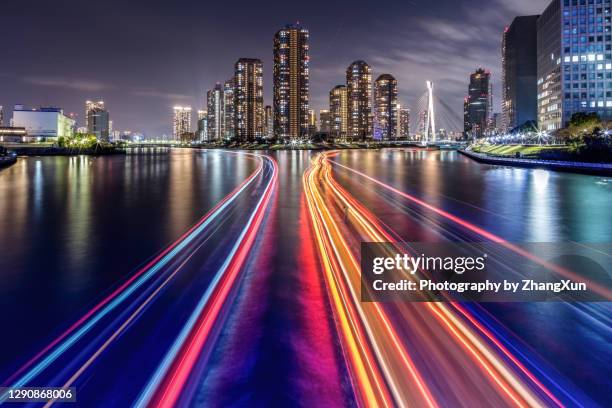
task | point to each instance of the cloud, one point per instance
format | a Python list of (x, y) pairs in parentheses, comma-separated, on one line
[(72, 83)]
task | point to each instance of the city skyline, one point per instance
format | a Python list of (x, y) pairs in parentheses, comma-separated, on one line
[(141, 81)]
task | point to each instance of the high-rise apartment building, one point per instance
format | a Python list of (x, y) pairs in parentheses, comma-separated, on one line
[(422, 125), (519, 73), (385, 108), (324, 121), (291, 82), (478, 104), (216, 113), (312, 122), (268, 122), (248, 99), (181, 122), (403, 122), (338, 111), (229, 131), (202, 133), (97, 120), (359, 97)]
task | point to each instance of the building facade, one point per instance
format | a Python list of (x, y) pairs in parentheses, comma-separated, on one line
[(312, 122), (268, 122), (338, 112), (43, 123), (519, 73), (359, 98), (248, 99), (229, 128), (574, 46), (478, 104), (97, 120), (403, 122), (324, 121), (291, 82), (385, 108), (216, 113), (182, 122), (202, 132)]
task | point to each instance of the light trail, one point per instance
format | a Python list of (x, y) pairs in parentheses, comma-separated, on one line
[(327, 231), (366, 376), (78, 329), (165, 386), (379, 234), (595, 287), (483, 356)]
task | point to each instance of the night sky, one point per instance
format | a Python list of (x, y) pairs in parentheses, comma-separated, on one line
[(142, 58)]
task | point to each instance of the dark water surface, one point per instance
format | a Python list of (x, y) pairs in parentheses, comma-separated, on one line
[(72, 227)]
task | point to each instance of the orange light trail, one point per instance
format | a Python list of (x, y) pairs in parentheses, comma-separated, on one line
[(328, 231), (495, 369)]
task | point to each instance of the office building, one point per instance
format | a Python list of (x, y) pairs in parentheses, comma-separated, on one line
[(248, 99), (359, 97), (45, 123), (574, 71), (324, 121), (519, 73), (216, 113), (97, 120), (479, 103), (385, 108), (9, 134), (549, 80), (338, 111), (181, 122), (291, 82)]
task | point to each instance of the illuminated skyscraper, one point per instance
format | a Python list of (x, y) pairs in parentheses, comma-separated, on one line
[(312, 122), (182, 121), (229, 94), (324, 121), (248, 99), (338, 111), (291, 82), (214, 98), (268, 122), (403, 122), (574, 61), (1, 116), (478, 103), (202, 134), (97, 120), (359, 94), (385, 107), (422, 126)]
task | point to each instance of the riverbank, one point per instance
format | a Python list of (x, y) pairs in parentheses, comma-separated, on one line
[(312, 146), (602, 169), (61, 151), (6, 161)]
